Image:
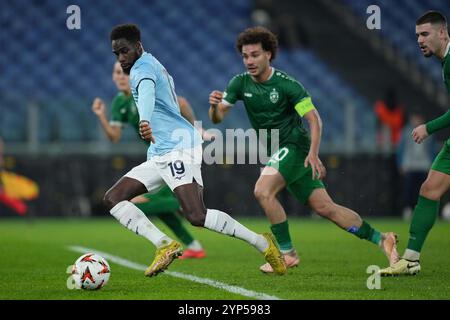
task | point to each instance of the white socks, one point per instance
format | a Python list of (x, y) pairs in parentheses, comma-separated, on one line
[(135, 220), (411, 255), (221, 222)]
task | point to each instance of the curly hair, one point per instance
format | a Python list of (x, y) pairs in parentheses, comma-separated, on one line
[(257, 35)]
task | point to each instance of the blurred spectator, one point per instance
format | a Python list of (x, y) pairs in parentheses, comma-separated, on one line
[(391, 119), (14, 189), (281, 21), (413, 162)]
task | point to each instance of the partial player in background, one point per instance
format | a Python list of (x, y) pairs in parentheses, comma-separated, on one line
[(413, 162), (163, 204), (433, 39), (274, 100), (174, 158)]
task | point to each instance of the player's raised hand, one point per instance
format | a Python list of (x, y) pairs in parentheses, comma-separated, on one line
[(318, 169), (419, 134), (98, 107), (215, 97), (146, 131)]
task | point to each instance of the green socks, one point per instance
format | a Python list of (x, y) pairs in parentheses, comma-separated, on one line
[(366, 232), (424, 217), (151, 208), (281, 233), (175, 224)]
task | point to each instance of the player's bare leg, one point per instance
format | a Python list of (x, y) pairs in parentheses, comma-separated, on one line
[(269, 184), (117, 200), (190, 197), (424, 217), (124, 189), (350, 221), (435, 186)]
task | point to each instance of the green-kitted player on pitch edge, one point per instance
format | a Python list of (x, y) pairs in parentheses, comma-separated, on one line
[(162, 204), (433, 39), (274, 100)]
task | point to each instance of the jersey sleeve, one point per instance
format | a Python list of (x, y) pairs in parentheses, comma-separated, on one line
[(146, 100), (233, 91), (299, 97), (443, 121), (446, 71), (439, 123), (118, 117), (143, 80), (143, 71)]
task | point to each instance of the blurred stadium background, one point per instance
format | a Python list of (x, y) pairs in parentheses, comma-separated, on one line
[(52, 74)]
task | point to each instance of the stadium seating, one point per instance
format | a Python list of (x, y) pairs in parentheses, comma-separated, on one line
[(61, 70), (398, 20), (332, 96)]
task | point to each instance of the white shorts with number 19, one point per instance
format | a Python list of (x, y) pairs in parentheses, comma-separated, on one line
[(175, 169)]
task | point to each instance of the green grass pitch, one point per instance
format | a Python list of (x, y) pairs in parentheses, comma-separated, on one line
[(34, 256)]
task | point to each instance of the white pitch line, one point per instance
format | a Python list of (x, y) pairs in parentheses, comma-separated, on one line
[(209, 282)]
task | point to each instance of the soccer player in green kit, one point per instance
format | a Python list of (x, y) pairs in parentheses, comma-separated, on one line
[(162, 204), (274, 100), (433, 39)]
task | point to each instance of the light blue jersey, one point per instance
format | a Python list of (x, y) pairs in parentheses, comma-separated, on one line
[(154, 93)]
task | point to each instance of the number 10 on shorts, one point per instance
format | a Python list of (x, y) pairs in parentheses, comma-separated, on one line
[(279, 155)]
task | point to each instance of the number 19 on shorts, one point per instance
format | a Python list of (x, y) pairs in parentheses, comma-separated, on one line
[(177, 168)]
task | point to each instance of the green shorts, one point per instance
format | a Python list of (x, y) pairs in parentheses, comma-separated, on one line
[(289, 161), (442, 161), (163, 201)]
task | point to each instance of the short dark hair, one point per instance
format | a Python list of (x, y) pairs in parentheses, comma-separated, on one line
[(433, 17), (256, 35), (129, 32)]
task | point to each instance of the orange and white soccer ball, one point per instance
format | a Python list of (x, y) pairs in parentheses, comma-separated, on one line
[(91, 272)]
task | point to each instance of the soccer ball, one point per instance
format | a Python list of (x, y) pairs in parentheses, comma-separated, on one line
[(91, 272)]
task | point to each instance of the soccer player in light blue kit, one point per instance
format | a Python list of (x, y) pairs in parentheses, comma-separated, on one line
[(174, 158)]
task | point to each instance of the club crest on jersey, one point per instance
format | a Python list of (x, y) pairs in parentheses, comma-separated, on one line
[(274, 96)]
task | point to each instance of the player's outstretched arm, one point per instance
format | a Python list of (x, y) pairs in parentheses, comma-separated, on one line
[(315, 125), (420, 133), (438, 124), (186, 110), (113, 133), (217, 110)]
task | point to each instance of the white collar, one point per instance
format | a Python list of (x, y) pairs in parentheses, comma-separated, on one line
[(270, 77), (273, 71), (447, 49)]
